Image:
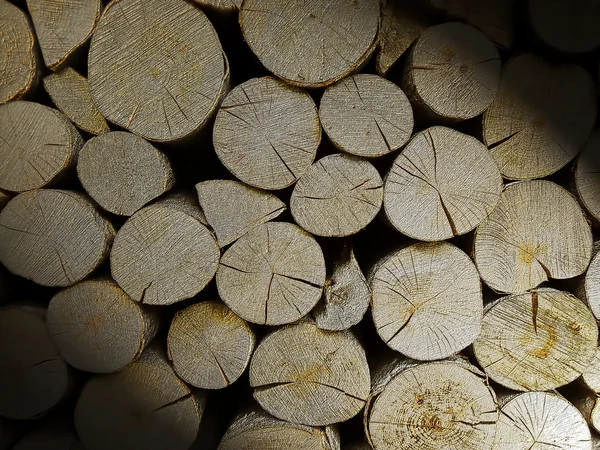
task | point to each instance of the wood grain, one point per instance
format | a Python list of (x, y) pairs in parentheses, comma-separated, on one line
[(591, 284), (587, 175), (224, 6)]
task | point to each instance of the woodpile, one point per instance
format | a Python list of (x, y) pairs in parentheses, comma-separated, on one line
[(299, 224)]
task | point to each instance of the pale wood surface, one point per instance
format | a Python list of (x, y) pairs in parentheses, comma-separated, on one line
[(587, 175), (591, 284), (591, 375)]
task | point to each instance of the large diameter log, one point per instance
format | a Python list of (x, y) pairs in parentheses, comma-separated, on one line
[(272, 275), (540, 118), (98, 328), (338, 196), (156, 67), (266, 133), (53, 237), (443, 184), (306, 375), (209, 345), (70, 92), (53, 435), (310, 43), (538, 231), (123, 172), (427, 302), (34, 376), (37, 145), (18, 54), (536, 341), (587, 175), (143, 407), (452, 72), (366, 115)]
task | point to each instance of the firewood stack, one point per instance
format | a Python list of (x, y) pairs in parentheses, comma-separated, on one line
[(299, 224)]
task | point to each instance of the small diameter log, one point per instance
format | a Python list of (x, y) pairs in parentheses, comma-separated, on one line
[(452, 72), (145, 406), (266, 132), (432, 406), (427, 302), (587, 176), (590, 290), (37, 145), (18, 54), (538, 231), (586, 399), (70, 92), (258, 430), (156, 68), (53, 237), (536, 341), (313, 43), (233, 208), (98, 328), (540, 118), (591, 375), (306, 375), (272, 275), (346, 294), (338, 196), (209, 345), (164, 253), (34, 376), (224, 6), (51, 436), (122, 172), (443, 184)]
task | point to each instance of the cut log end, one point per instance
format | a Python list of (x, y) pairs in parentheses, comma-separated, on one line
[(591, 285), (591, 375), (224, 6), (587, 176), (53, 435)]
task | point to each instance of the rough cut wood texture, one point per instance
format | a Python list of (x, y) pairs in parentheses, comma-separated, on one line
[(452, 72), (267, 133), (587, 175), (18, 54), (233, 208), (226, 6), (70, 92), (156, 67), (591, 284), (538, 231), (122, 172), (591, 375), (53, 237), (37, 145), (310, 43), (589, 407), (34, 376), (366, 115), (163, 254), (272, 275), (338, 196), (143, 407), (209, 345), (427, 301), (536, 341), (540, 118), (98, 328), (306, 375), (443, 184)]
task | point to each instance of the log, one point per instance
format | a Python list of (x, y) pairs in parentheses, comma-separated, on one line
[(588, 289), (366, 115), (443, 184), (34, 376), (338, 196), (156, 68), (266, 133), (53, 237), (256, 429), (538, 231), (587, 176), (540, 117), (209, 345), (591, 375), (589, 407), (4, 198), (144, 406), (310, 44), (38, 145), (223, 6), (536, 341), (18, 54), (279, 267), (123, 172), (232, 219), (165, 231), (50, 436), (452, 72), (70, 92), (586, 397), (98, 328), (427, 302), (321, 378), (346, 294)]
